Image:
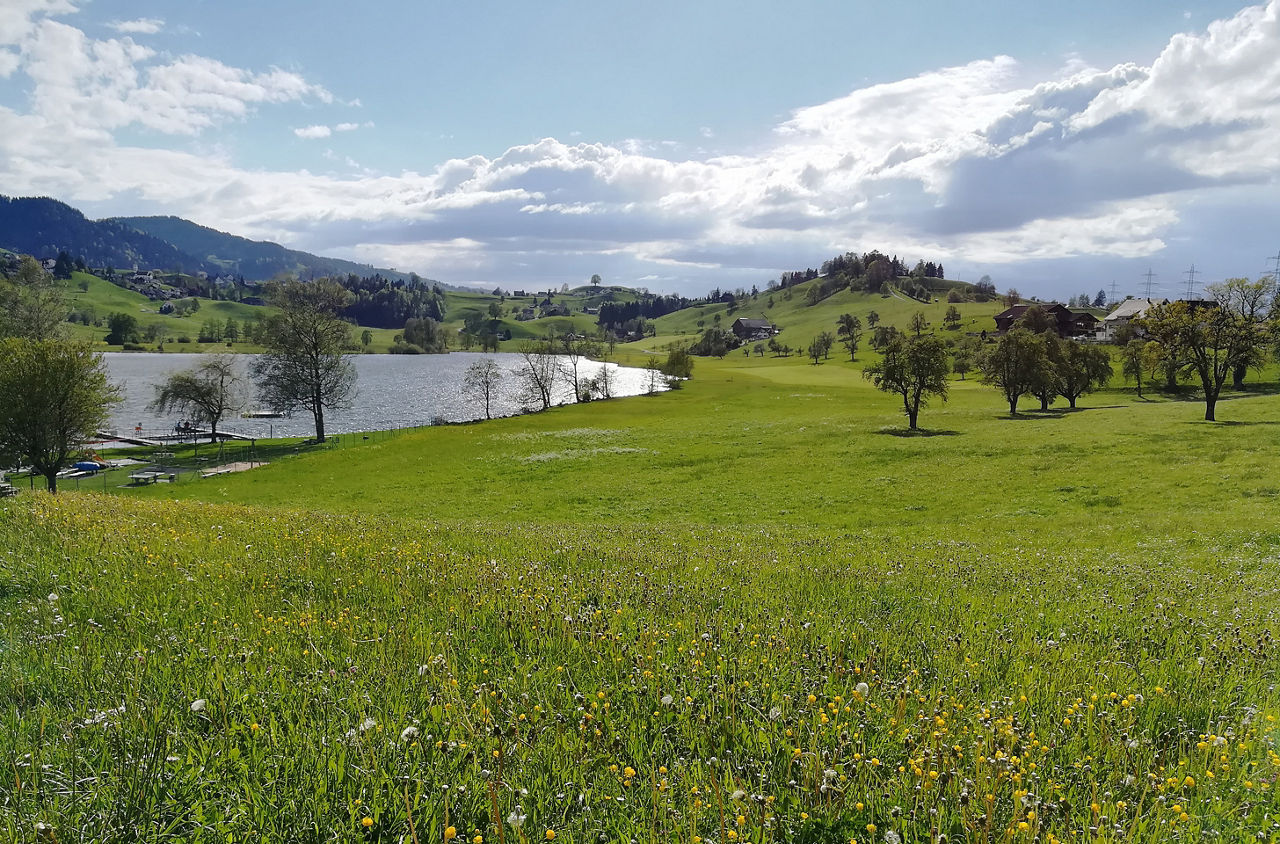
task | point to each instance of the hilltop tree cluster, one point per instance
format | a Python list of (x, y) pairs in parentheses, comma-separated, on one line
[(389, 303), (626, 317)]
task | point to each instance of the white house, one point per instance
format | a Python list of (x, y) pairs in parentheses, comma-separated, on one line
[(1125, 313)]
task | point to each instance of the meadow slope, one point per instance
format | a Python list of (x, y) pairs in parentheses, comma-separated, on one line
[(749, 610)]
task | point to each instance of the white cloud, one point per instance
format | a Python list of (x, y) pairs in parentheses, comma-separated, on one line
[(140, 26), (313, 132), (978, 164), (19, 18)]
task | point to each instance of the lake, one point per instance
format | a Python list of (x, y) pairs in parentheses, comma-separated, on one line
[(392, 391)]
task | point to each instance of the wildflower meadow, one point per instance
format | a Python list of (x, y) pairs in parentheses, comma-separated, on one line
[(175, 670)]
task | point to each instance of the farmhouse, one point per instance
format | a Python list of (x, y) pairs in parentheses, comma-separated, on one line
[(1070, 324), (753, 329), (1126, 313)]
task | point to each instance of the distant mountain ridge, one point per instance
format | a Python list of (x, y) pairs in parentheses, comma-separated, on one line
[(253, 259), (43, 227)]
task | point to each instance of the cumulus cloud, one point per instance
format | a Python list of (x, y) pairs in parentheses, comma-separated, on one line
[(140, 26), (978, 165)]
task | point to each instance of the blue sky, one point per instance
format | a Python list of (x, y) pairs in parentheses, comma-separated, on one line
[(677, 146)]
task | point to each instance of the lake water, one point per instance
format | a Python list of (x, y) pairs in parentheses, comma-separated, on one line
[(392, 391)]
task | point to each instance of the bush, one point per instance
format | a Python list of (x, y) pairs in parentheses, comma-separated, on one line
[(714, 341), (133, 347), (184, 339), (406, 349), (679, 364)]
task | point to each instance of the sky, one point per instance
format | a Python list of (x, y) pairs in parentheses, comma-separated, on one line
[(1057, 148)]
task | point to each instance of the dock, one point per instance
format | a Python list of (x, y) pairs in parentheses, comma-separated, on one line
[(149, 443)]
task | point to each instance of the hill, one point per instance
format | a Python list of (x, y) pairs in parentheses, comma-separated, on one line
[(253, 259), (800, 321), (43, 227)]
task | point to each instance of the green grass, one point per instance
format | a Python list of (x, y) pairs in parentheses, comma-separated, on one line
[(649, 618), (800, 322), (105, 298)]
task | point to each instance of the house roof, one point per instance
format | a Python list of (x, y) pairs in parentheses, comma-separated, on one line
[(753, 323), (1133, 309), (1017, 311)]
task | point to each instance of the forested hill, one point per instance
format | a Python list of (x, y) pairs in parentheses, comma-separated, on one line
[(253, 259), (44, 227)]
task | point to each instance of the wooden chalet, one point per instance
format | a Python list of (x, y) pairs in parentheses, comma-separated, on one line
[(1070, 324)]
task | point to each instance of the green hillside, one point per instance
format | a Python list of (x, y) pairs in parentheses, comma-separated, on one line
[(800, 322)]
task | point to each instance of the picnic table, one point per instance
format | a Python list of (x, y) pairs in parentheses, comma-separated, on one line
[(146, 477)]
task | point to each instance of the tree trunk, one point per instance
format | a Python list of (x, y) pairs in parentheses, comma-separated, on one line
[(51, 480), (1237, 377), (1209, 404), (912, 415), (1013, 406), (1044, 402), (1072, 400), (319, 414)]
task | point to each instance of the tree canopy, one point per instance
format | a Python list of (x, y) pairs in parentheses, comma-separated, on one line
[(304, 365), (1213, 340), (205, 393), (915, 369), (54, 396)]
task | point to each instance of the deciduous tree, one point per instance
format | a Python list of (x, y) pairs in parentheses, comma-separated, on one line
[(849, 328), (537, 373), (54, 396), (915, 369), (1133, 362), (1081, 369), (205, 393), (304, 365), (1015, 364), (1210, 340), (31, 304), (482, 382)]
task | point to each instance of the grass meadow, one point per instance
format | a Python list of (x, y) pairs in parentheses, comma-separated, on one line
[(748, 610)]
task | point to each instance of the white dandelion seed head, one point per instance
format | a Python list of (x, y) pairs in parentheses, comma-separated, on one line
[(409, 734), (517, 817), (667, 700), (862, 689), (367, 724), (199, 704)]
